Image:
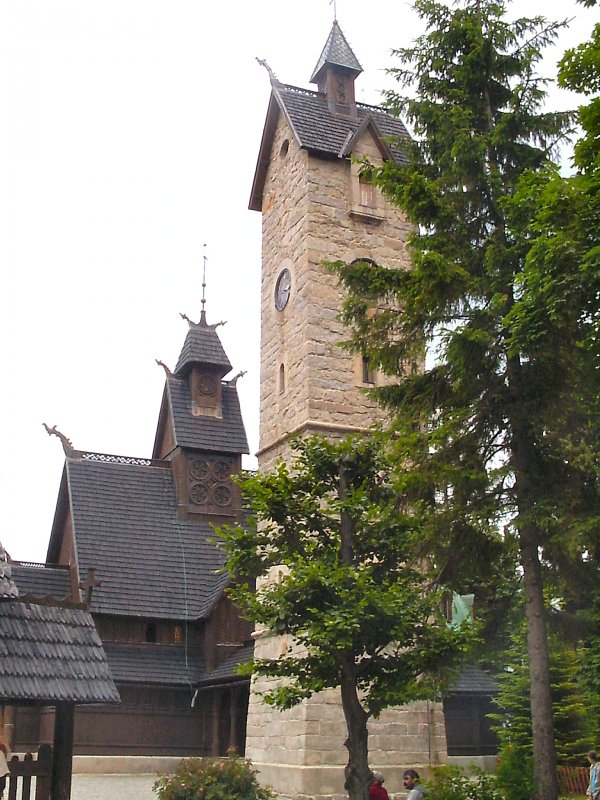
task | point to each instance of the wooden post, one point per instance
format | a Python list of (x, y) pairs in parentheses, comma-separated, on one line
[(233, 718), (43, 780), (62, 769), (216, 718)]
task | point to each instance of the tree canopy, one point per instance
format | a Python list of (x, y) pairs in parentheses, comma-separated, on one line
[(334, 550)]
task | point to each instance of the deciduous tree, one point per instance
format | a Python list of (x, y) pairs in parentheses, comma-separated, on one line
[(349, 588)]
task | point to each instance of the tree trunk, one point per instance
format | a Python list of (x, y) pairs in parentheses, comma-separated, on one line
[(357, 772), (542, 723)]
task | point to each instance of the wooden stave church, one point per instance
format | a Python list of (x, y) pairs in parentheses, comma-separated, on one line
[(145, 525)]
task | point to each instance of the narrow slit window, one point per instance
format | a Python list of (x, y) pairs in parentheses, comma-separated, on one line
[(281, 379), (368, 373)]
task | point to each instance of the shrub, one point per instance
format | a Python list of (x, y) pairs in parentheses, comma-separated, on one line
[(230, 778), (452, 783), (515, 772)]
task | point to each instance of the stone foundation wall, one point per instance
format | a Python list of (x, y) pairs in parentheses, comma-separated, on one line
[(301, 753)]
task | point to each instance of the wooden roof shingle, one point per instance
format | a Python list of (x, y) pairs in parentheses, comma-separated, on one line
[(167, 665), (152, 563), (225, 434), (320, 130), (50, 654)]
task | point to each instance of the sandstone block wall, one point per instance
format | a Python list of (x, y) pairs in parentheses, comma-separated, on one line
[(308, 218)]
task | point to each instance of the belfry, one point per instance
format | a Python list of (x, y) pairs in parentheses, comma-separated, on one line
[(316, 207)]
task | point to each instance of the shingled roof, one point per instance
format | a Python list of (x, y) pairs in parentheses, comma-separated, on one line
[(202, 346), (224, 435), (228, 670), (151, 562), (336, 52), (319, 130), (42, 580), (52, 654), (168, 665), (473, 680)]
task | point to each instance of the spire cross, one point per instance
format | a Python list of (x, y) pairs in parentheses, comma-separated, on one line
[(203, 312), (334, 4)]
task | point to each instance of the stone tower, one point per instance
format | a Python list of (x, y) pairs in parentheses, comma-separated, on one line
[(316, 208)]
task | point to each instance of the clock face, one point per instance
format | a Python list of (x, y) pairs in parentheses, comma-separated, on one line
[(283, 287)]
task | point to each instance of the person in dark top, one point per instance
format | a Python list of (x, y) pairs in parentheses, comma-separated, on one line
[(376, 790)]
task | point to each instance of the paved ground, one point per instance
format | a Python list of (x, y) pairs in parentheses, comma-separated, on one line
[(113, 787)]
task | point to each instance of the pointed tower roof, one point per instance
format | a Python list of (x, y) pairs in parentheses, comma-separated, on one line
[(202, 346), (337, 52)]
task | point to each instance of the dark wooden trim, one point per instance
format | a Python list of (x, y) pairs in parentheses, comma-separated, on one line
[(62, 769)]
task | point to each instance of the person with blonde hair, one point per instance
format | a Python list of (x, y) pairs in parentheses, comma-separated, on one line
[(4, 769)]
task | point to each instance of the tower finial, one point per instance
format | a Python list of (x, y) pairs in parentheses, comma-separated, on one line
[(334, 4), (203, 311)]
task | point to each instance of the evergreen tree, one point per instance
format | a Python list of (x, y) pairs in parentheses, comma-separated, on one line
[(574, 710), (496, 430)]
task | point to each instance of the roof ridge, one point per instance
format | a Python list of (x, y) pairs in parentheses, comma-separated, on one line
[(111, 458), (301, 89), (315, 93)]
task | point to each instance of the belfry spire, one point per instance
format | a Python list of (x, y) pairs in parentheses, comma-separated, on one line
[(203, 301), (336, 71), (336, 53)]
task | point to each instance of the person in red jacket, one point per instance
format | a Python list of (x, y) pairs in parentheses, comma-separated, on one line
[(376, 790)]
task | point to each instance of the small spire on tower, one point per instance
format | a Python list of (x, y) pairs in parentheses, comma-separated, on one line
[(203, 311)]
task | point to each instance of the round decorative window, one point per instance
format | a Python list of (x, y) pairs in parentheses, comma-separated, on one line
[(222, 470), (222, 495), (199, 494), (199, 469)]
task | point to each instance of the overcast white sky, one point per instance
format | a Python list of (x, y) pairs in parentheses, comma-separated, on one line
[(129, 131)]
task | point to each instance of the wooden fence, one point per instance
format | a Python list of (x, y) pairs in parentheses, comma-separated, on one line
[(573, 780), (22, 772)]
